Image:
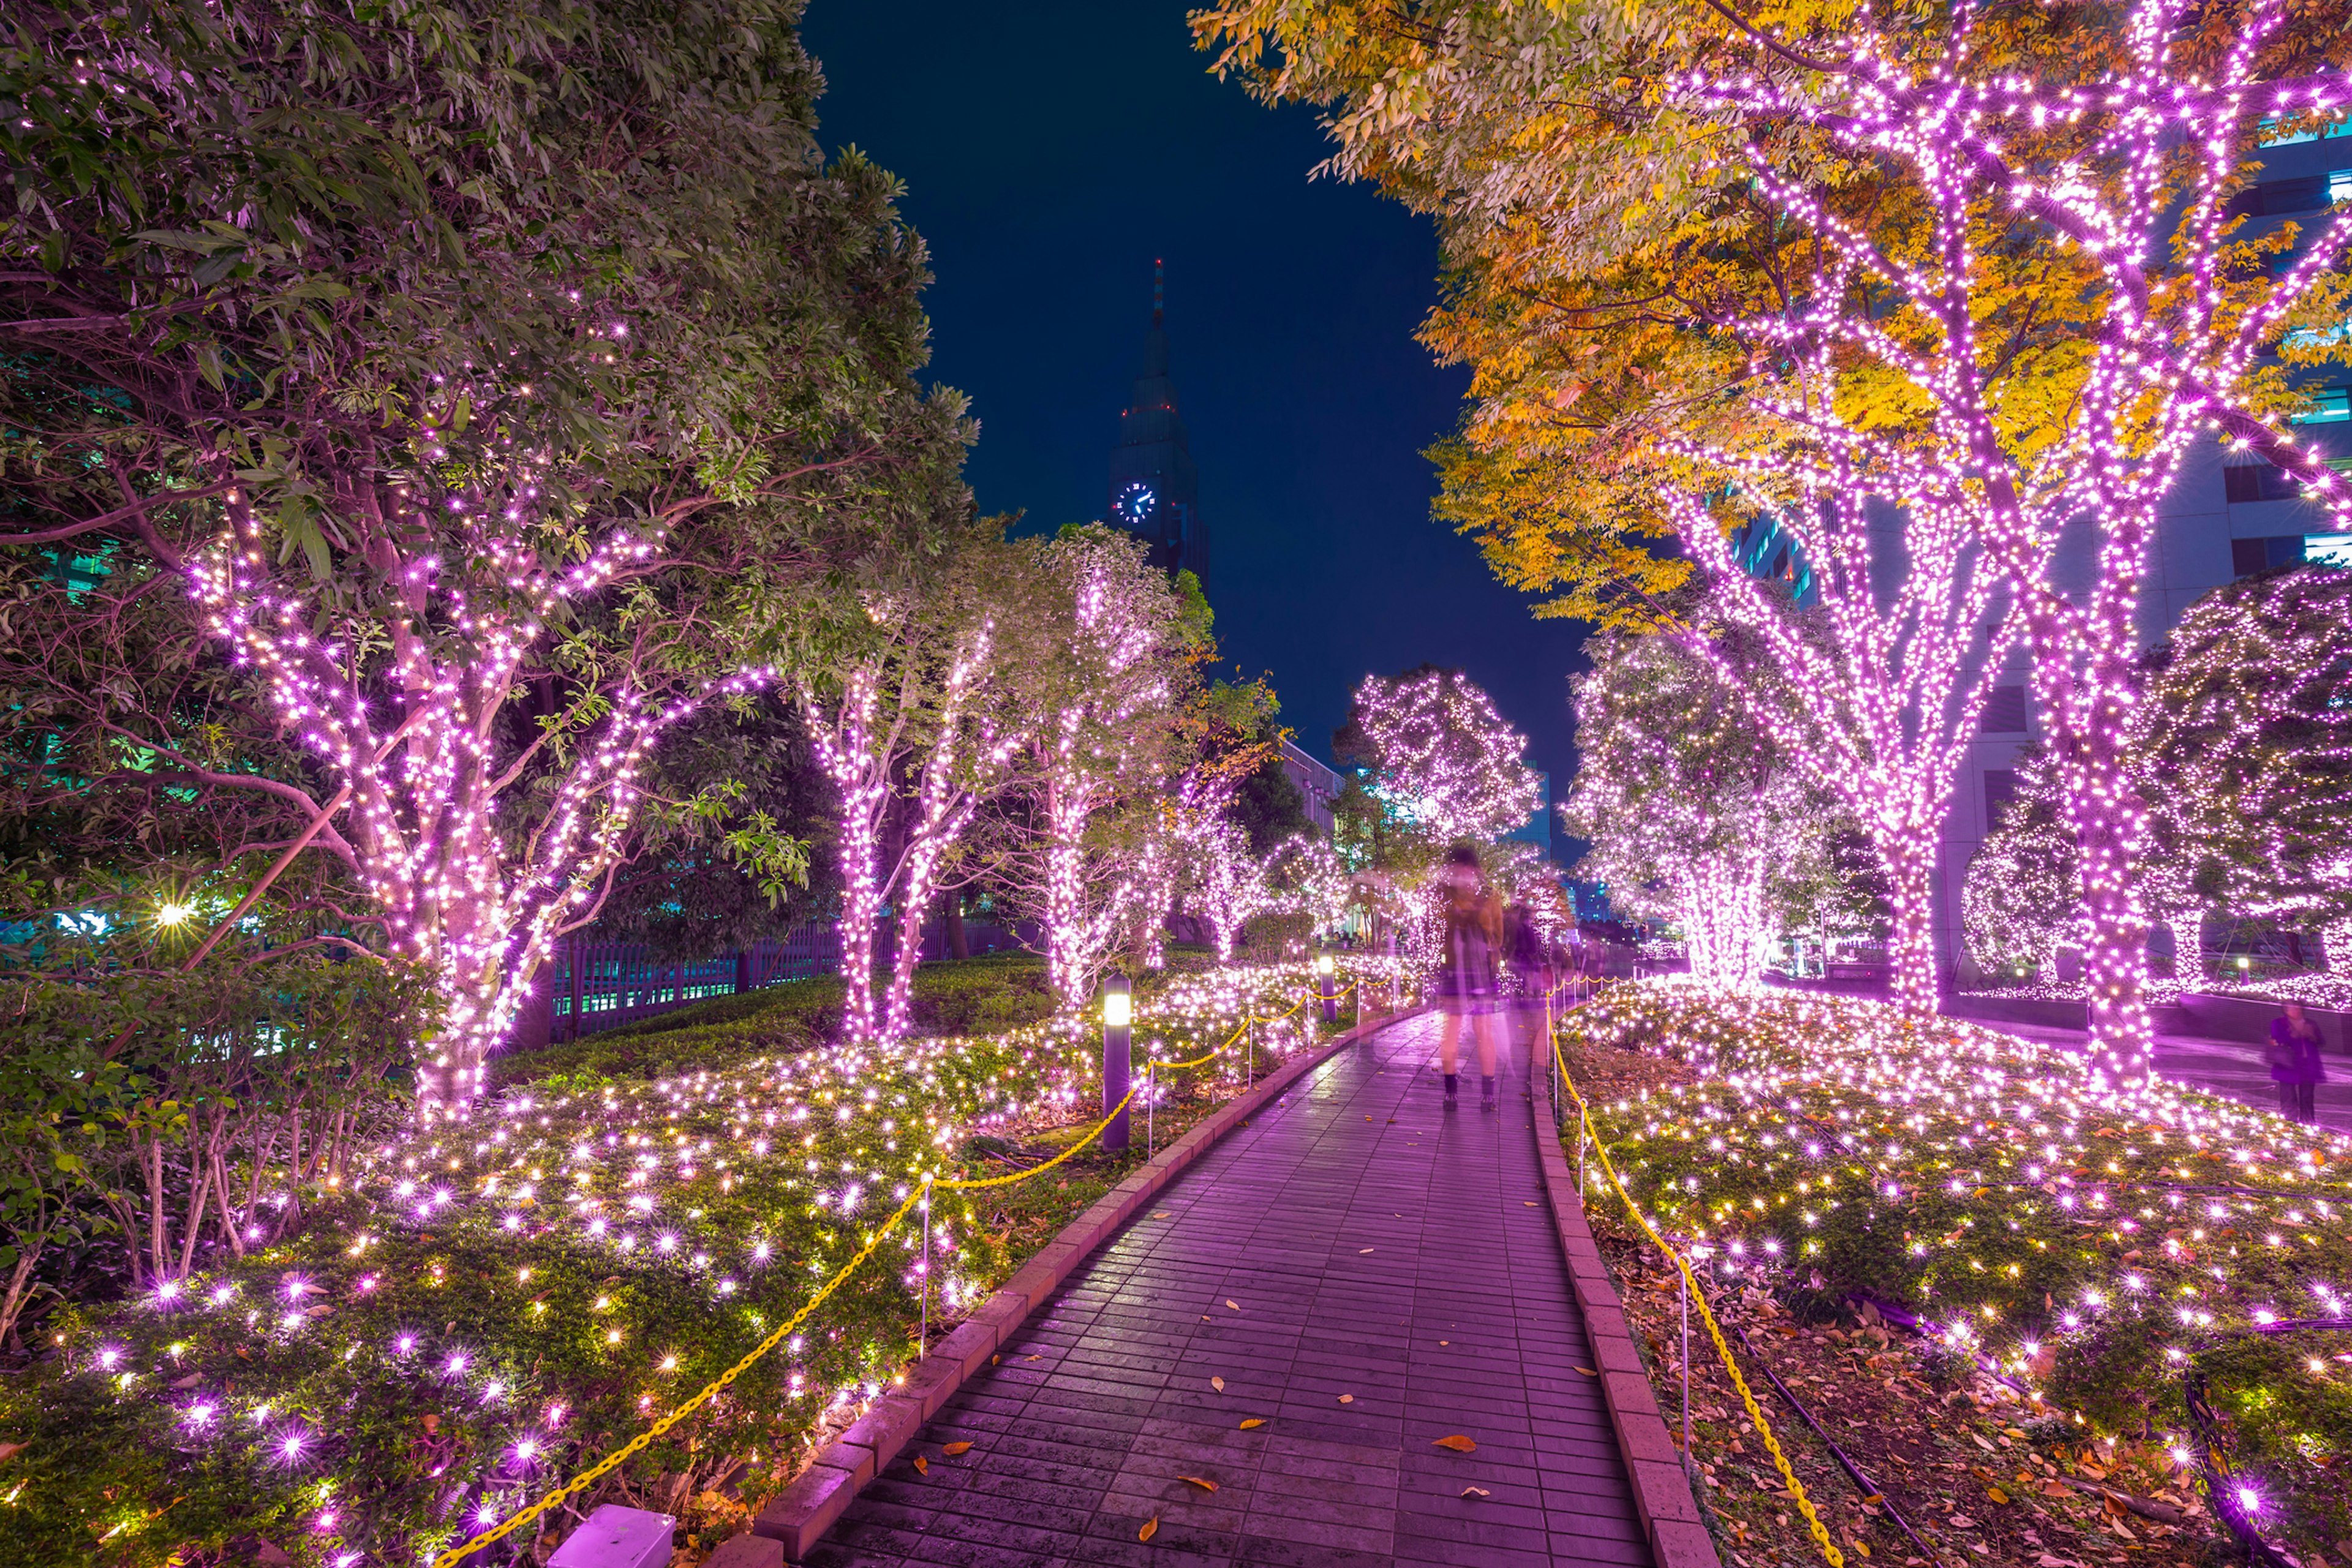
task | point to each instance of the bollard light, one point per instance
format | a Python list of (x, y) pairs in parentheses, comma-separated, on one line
[(1323, 988), (1117, 1012)]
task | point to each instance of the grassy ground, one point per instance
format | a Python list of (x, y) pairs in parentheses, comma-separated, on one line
[(2073, 1260), (486, 1312)]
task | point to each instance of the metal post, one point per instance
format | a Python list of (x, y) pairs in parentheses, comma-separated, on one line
[(1249, 1049), (1150, 1104), (1118, 1011), (1684, 1272), (923, 1278), (1584, 1127)]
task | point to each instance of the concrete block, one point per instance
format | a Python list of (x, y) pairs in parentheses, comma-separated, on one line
[(807, 1508), (1647, 1440), (1661, 1491), (889, 1423), (617, 1537), (1675, 1543), (930, 1382), (746, 1552), (1628, 1394), (1614, 1352), (968, 1348)]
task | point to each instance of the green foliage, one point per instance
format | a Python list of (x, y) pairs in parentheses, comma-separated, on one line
[(1968, 1176), (1270, 808), (401, 1449)]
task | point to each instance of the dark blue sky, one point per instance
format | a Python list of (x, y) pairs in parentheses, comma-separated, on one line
[(1051, 150)]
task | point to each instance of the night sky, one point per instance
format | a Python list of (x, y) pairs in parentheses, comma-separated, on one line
[(1051, 151)]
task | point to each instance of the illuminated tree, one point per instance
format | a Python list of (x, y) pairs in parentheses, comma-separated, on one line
[(2243, 751), (2009, 231), (1887, 667), (1690, 807), (916, 726), (1441, 759), (1106, 674), (488, 450)]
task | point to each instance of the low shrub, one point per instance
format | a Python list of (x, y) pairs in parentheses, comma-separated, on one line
[(2094, 1248)]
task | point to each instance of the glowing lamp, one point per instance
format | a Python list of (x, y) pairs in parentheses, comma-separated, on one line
[(1119, 1006)]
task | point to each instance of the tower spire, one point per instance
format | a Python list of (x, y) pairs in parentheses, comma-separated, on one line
[(1158, 288)]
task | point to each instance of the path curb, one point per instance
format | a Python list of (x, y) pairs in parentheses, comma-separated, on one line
[(801, 1514), (1654, 1465)]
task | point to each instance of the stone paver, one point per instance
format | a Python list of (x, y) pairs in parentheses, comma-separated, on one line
[(1373, 1247)]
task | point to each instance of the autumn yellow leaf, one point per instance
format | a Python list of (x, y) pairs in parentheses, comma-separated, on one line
[(1218, 1383), (1236, 1306), (1996, 1494), (1253, 1421), (1202, 1482), (922, 1466), (1475, 1491), (1587, 1372), (1457, 1442), (954, 1449), (1347, 1399), (1150, 1528)]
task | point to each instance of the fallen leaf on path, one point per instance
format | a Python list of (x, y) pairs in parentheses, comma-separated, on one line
[(1457, 1442), (1253, 1421), (1218, 1383), (1236, 1306), (1361, 1250), (1587, 1372), (1475, 1491), (1347, 1399), (1038, 1357), (955, 1448), (1527, 1205), (1206, 1486), (922, 1466), (1961, 1521), (1445, 1341), (1996, 1494), (1150, 1528), (1162, 1215)]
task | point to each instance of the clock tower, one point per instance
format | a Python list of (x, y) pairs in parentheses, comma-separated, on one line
[(1155, 491)]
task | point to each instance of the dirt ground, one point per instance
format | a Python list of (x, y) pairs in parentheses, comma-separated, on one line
[(1954, 1456)]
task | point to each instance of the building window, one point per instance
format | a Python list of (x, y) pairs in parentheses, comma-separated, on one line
[(2276, 198), (2245, 482), (1999, 785), (2328, 549), (2340, 126), (2251, 555), (2329, 405), (2004, 711)]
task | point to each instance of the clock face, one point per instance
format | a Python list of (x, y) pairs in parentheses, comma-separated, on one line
[(1135, 501)]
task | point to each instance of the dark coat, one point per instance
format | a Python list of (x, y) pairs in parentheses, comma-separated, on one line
[(2294, 1058)]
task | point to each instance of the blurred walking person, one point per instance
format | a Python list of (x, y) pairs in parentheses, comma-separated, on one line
[(1467, 969), (1529, 959), (2295, 1064)]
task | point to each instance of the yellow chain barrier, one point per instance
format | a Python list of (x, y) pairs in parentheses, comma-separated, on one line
[(644, 1439), (612, 1461), (1715, 1332)]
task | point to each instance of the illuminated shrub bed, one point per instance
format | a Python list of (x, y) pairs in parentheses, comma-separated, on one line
[(2099, 1252), (484, 1312)]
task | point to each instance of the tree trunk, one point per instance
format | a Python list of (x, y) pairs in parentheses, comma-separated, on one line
[(20, 1289), (2106, 815), (959, 943), (1911, 946)]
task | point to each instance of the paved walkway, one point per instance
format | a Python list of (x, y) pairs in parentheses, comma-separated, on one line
[(1367, 1274), (2230, 1067)]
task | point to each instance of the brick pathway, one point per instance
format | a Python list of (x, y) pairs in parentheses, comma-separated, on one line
[(1374, 1247)]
